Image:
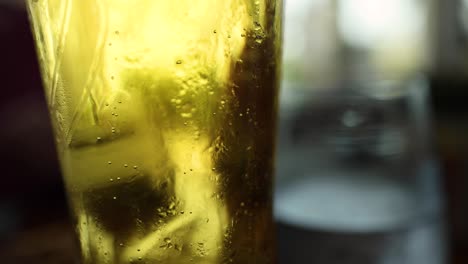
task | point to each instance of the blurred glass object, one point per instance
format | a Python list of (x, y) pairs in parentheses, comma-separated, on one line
[(357, 180)]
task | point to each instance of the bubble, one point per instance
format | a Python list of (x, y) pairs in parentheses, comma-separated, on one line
[(172, 205), (257, 25), (126, 165), (242, 35), (352, 118), (110, 44), (115, 197), (111, 180), (118, 178), (135, 167), (138, 250), (186, 115), (109, 162), (121, 244), (179, 62), (116, 32), (98, 139), (167, 240), (214, 31), (112, 77)]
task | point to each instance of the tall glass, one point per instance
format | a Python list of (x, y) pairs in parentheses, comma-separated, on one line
[(164, 115)]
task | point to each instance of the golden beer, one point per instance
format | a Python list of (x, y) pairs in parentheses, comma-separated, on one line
[(164, 114)]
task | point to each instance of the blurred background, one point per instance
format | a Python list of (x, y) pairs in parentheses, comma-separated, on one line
[(372, 150)]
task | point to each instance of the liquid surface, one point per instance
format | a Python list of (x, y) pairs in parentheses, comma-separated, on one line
[(164, 113)]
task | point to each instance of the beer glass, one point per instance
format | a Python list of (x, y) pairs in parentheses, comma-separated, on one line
[(164, 115)]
